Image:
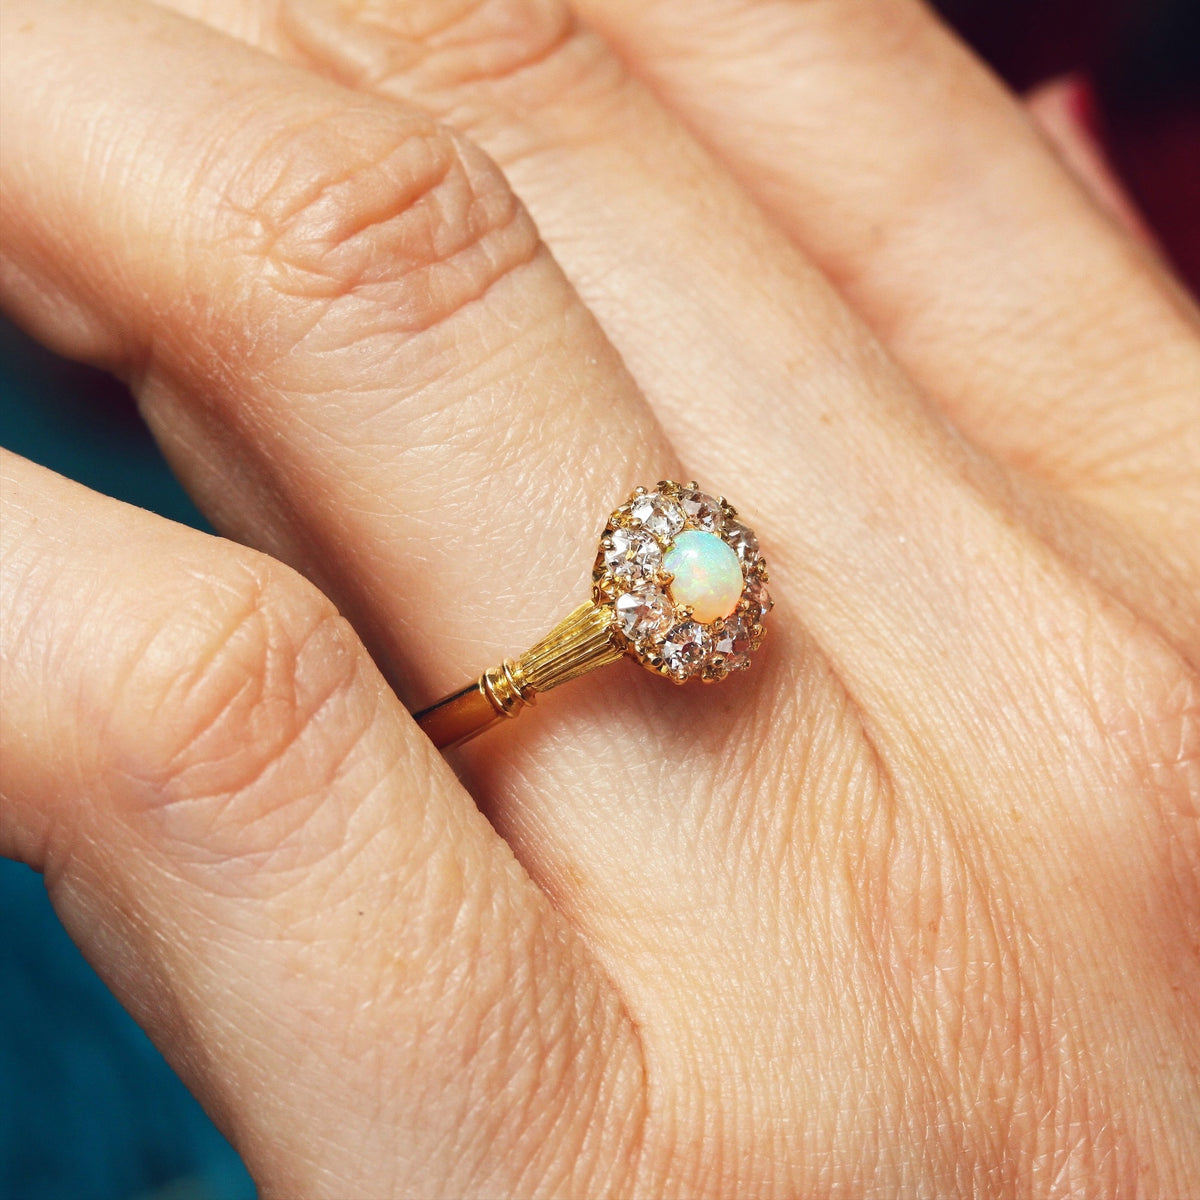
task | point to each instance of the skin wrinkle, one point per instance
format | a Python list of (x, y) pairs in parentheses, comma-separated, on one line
[(487, 1090), (988, 965), (1011, 1047), (519, 38), (573, 65), (294, 737), (278, 198), (1072, 1121), (371, 236), (1110, 568), (888, 1008), (552, 1056), (241, 678), (958, 922)]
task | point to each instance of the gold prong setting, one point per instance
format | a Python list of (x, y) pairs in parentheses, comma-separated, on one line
[(631, 583)]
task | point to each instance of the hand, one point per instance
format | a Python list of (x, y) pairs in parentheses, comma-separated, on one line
[(910, 908)]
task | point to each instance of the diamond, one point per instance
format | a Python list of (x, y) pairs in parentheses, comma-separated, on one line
[(733, 644), (760, 599), (642, 613), (744, 543), (634, 557), (661, 515), (701, 510), (685, 647)]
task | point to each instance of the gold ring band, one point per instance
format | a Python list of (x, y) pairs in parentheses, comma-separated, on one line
[(678, 584)]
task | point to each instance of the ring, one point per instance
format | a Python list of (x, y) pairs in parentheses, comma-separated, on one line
[(679, 585)]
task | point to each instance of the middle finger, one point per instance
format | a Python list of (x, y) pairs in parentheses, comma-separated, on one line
[(338, 320), (761, 376)]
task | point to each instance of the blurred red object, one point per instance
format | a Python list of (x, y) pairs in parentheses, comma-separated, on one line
[(1142, 60)]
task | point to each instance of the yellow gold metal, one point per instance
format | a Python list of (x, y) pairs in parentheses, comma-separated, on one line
[(579, 643)]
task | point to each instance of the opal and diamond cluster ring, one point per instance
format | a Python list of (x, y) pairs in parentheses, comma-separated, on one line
[(678, 584)]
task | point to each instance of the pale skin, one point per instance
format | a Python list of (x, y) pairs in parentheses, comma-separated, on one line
[(911, 908)]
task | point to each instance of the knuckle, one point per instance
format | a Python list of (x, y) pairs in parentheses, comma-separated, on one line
[(394, 214), (496, 68), (450, 41), (238, 711)]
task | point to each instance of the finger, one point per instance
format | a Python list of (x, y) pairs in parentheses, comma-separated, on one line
[(354, 430), (280, 879), (918, 184), (1064, 110), (337, 318), (551, 104)]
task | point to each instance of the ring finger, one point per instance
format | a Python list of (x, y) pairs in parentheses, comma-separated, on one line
[(397, 377), (568, 123)]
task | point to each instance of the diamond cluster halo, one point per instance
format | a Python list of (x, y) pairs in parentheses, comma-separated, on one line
[(683, 582), (678, 584)]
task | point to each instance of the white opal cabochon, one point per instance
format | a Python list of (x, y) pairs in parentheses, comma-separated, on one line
[(707, 575)]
